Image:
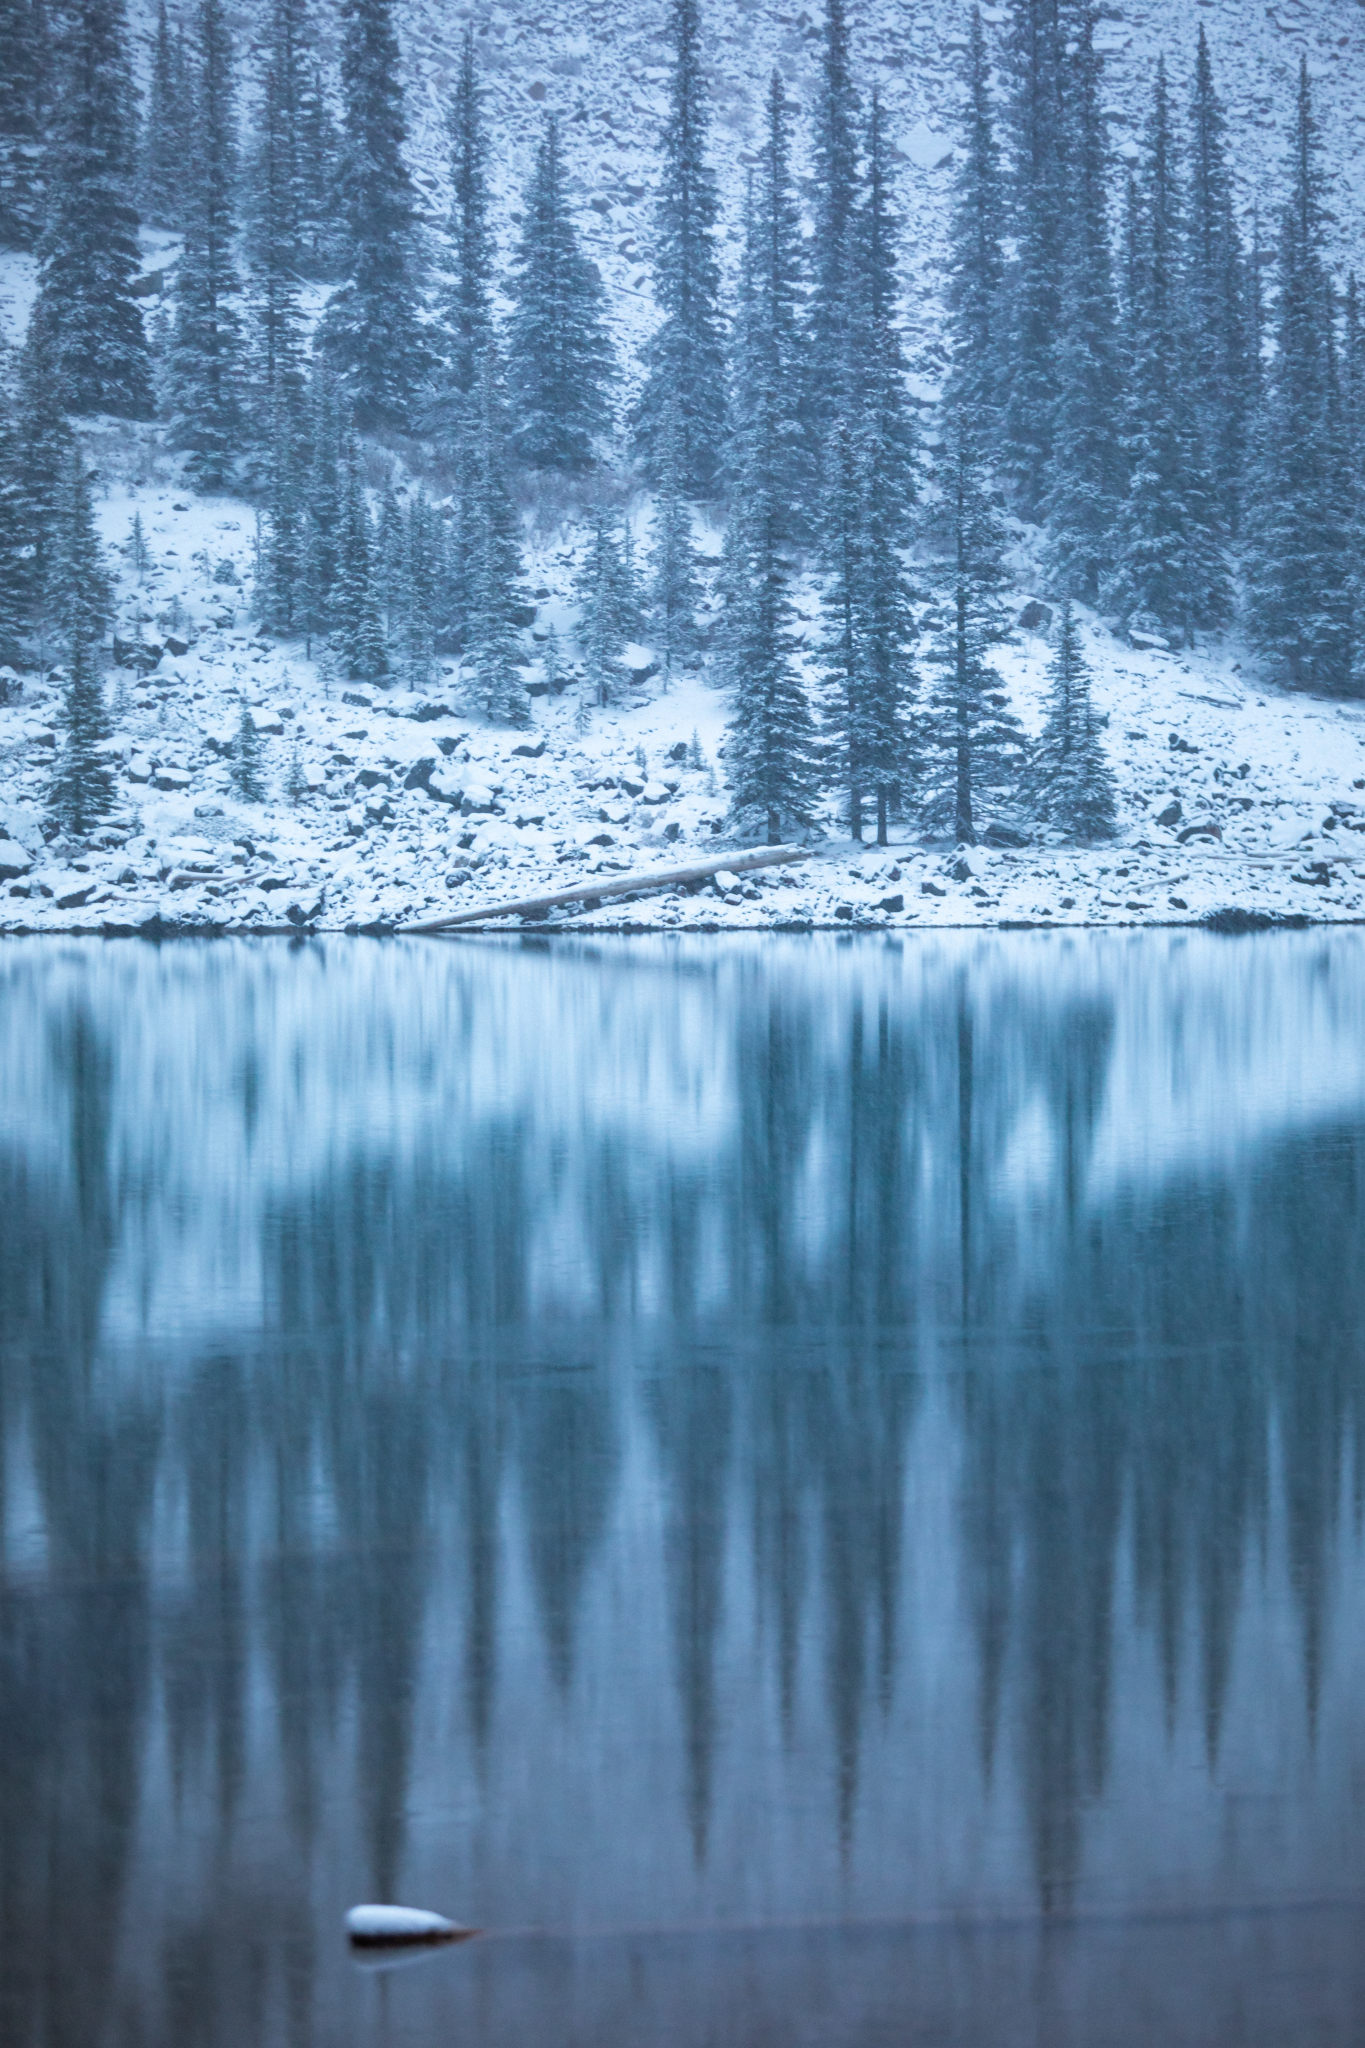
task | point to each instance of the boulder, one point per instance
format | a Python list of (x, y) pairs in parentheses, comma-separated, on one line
[(445, 787), (1172, 813), (998, 833), (478, 797), (267, 721), (1204, 829), (170, 779), (1036, 617), (530, 751), (656, 793), (892, 903), (420, 773), (14, 862), (176, 647)]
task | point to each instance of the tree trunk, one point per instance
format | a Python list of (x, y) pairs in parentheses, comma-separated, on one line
[(881, 817), (774, 829)]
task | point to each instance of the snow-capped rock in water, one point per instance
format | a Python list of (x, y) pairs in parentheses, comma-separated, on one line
[(401, 1926)]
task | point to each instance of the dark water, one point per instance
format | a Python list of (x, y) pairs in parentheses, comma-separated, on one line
[(813, 1490)]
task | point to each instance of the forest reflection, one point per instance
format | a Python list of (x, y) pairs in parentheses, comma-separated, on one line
[(724, 1489)]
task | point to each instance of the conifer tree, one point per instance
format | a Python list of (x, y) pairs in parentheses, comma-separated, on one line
[(766, 395), (370, 332), (467, 311), (247, 774), (355, 604), (1070, 780), (1033, 283), (1169, 563), (416, 610), (88, 249), (977, 314), (1086, 472), (829, 320), (23, 69), (602, 630), (976, 747), (14, 544), (676, 588), (559, 359), (166, 133), (278, 238), (45, 452), (205, 371), (281, 596), (1299, 567), (80, 595), (879, 383), (324, 493), (1217, 295), (491, 566), (685, 357)]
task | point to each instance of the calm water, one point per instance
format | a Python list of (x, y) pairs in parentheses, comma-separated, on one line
[(812, 1489)]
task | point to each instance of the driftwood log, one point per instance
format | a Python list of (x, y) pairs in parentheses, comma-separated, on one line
[(594, 889)]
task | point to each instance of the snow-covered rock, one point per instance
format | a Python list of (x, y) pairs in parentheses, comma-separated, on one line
[(14, 861)]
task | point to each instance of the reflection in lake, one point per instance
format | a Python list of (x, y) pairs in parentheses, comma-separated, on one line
[(812, 1489)]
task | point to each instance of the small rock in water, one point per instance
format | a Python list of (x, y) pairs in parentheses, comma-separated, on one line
[(401, 1927)]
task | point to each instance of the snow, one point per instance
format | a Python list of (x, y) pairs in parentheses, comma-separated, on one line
[(399, 1924)]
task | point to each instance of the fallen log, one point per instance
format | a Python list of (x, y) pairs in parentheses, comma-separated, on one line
[(591, 889)]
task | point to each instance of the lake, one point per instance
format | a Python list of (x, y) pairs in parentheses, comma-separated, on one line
[(811, 1488)]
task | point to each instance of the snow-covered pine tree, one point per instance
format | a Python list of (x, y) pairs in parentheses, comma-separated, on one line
[(977, 313), (1036, 49), (1070, 782), (390, 556), (675, 592), (371, 333), (14, 544), (1086, 472), (880, 365), (205, 371), (1168, 559), (324, 490), (88, 248), (975, 746), (772, 756), (278, 233), (415, 621), (466, 309), (320, 233), (46, 450), (1220, 354), (23, 77), (828, 337), (601, 631), (355, 604), (1299, 526), (247, 774), (685, 358), (166, 132), (281, 595), (80, 598), (560, 368), (491, 566)]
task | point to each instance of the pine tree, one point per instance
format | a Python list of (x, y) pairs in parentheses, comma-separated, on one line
[(205, 371), (370, 332), (79, 592), (14, 544), (356, 602), (166, 132), (1299, 565), (1070, 781), (766, 396), (879, 383), (45, 453), (23, 67), (1217, 295), (491, 566), (829, 320), (601, 633), (281, 594), (1086, 471), (415, 622), (559, 359), (246, 773), (977, 314), (466, 314), (676, 589), (323, 502), (88, 250), (81, 791), (1169, 564), (1033, 282), (685, 357), (976, 747), (278, 231), (321, 241)]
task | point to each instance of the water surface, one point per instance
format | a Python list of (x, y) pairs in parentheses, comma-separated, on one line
[(811, 1488)]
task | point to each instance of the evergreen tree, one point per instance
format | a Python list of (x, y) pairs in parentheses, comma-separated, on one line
[(602, 631), (879, 384), (371, 333), (205, 369), (467, 311), (1033, 283), (676, 591), (88, 250), (976, 311), (167, 131), (14, 545), (323, 501), (1070, 780), (491, 566), (416, 610), (1086, 474), (766, 393), (1217, 297), (23, 69), (278, 231), (1169, 564), (559, 359), (81, 791), (1299, 567), (829, 329), (281, 593), (80, 594), (976, 747), (321, 241), (355, 603), (685, 357), (247, 774), (45, 453)]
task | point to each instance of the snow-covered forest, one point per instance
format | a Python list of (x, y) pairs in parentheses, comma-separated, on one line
[(377, 539)]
